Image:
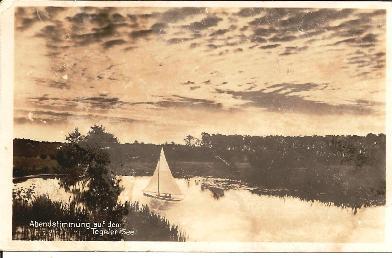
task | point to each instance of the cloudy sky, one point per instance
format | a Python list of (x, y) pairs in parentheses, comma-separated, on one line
[(158, 74)]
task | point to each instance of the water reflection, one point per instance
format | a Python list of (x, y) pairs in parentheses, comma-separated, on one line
[(217, 192), (230, 212), (239, 215)]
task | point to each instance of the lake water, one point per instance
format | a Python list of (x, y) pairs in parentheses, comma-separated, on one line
[(238, 215)]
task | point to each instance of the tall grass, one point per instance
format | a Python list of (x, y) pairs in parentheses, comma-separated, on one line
[(146, 225), (150, 226), (42, 209)]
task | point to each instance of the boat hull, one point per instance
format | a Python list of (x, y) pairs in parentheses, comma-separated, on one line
[(163, 197)]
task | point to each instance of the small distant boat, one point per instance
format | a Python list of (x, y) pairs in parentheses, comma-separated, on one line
[(162, 184)]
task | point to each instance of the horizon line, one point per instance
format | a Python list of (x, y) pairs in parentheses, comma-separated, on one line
[(171, 142)]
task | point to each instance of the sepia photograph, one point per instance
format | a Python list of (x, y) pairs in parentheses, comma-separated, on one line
[(199, 123)]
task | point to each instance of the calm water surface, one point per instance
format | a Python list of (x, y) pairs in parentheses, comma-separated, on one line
[(239, 215)]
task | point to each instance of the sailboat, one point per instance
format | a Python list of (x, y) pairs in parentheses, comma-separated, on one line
[(162, 184)]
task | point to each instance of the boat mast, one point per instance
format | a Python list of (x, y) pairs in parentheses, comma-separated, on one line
[(159, 161)]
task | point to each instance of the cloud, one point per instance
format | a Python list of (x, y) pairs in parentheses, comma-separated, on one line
[(178, 40), (176, 101), (244, 28), (194, 87), (369, 102), (378, 12), (116, 17), (178, 14), (129, 48), (25, 23), (367, 64), (148, 15), (212, 46), (209, 21), (352, 27), (52, 103), (188, 82), (52, 33), (58, 84), (258, 39), (100, 17), (141, 33), (264, 32), (269, 46), (41, 117), (319, 18), (26, 17), (115, 42), (156, 28), (159, 27), (279, 101), (100, 102), (223, 52), (368, 40), (248, 12), (53, 11), (79, 18), (42, 98), (193, 45), (96, 25), (180, 101), (132, 18), (219, 32), (285, 24), (288, 88), (293, 50), (23, 19), (359, 31), (96, 36), (56, 118), (282, 38), (272, 15)]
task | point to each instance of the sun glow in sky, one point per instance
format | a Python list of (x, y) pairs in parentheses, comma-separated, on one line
[(158, 74)]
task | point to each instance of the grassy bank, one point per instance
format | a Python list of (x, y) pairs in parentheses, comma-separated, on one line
[(145, 225)]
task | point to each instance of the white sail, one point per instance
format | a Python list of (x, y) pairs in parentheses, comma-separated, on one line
[(153, 184), (162, 181)]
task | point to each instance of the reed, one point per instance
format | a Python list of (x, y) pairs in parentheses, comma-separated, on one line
[(147, 225)]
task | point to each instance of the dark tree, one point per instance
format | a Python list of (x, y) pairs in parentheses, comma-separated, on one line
[(85, 160), (189, 140)]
